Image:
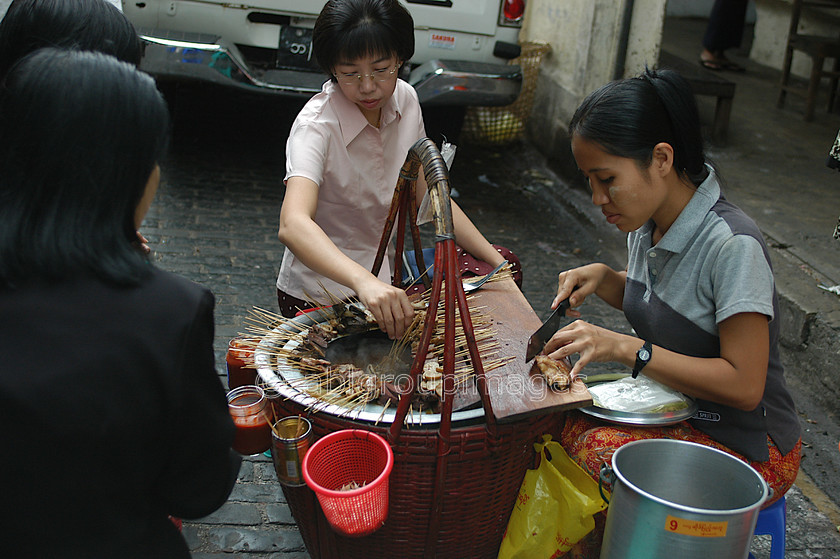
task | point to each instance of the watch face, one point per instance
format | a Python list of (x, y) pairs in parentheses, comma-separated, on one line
[(644, 354)]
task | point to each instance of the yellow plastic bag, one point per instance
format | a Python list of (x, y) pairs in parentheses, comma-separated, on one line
[(554, 509)]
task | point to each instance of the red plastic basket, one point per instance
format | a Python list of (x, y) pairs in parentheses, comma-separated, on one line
[(344, 457)]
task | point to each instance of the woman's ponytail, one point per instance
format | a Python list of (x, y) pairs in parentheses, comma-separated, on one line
[(678, 99)]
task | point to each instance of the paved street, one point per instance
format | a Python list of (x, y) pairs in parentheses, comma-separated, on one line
[(215, 219)]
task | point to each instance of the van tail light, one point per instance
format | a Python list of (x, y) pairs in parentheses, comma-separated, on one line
[(513, 10)]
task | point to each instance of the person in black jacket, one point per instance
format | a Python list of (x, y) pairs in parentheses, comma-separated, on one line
[(113, 416)]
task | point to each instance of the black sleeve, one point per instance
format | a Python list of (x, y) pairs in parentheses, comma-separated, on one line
[(203, 467)]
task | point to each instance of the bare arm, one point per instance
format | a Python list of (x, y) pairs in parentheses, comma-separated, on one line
[(299, 232), (735, 379)]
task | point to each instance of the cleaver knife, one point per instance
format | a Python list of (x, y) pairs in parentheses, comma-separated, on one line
[(537, 341)]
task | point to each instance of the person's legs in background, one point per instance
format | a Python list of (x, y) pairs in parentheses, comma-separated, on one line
[(724, 31)]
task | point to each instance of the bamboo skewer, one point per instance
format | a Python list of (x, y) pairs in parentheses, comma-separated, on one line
[(273, 423), (299, 426), (275, 332)]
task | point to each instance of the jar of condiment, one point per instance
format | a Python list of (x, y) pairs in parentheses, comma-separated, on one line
[(248, 408), (240, 363), (290, 440)]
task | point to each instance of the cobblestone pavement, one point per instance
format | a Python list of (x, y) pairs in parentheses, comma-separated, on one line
[(215, 219)]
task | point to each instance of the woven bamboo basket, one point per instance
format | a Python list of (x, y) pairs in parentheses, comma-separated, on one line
[(483, 480), (454, 483), (500, 125)]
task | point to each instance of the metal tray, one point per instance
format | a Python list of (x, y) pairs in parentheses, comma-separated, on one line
[(634, 418), (286, 380)]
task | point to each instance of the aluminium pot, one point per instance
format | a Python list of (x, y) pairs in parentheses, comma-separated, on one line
[(680, 499)]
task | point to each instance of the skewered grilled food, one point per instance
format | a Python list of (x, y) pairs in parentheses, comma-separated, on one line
[(341, 358)]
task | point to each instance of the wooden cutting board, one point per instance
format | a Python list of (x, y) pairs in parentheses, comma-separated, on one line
[(515, 391)]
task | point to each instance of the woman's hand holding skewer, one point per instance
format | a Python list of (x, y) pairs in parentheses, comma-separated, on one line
[(389, 305)]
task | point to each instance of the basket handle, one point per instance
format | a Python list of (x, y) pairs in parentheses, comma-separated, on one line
[(425, 152), (404, 201), (437, 180)]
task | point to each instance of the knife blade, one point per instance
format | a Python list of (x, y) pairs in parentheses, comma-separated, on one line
[(538, 339)]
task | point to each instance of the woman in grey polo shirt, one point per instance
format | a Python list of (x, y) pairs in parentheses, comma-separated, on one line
[(698, 289)]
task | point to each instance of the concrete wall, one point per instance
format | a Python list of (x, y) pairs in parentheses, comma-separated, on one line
[(586, 39)]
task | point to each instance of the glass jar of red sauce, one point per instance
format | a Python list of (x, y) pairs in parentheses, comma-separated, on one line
[(240, 363), (248, 408)]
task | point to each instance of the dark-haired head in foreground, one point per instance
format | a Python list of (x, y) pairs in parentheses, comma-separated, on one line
[(81, 135), (94, 25)]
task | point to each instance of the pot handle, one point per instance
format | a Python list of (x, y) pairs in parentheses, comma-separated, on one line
[(605, 477)]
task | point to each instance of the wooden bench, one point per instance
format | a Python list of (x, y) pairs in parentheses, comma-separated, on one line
[(705, 82)]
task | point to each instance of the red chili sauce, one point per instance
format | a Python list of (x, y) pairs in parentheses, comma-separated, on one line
[(253, 434), (240, 359)]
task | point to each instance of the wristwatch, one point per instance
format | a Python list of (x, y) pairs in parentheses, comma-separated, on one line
[(642, 358)]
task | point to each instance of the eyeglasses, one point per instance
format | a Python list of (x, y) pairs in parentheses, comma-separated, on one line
[(355, 78)]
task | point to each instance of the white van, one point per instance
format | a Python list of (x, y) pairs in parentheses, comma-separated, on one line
[(461, 46)]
